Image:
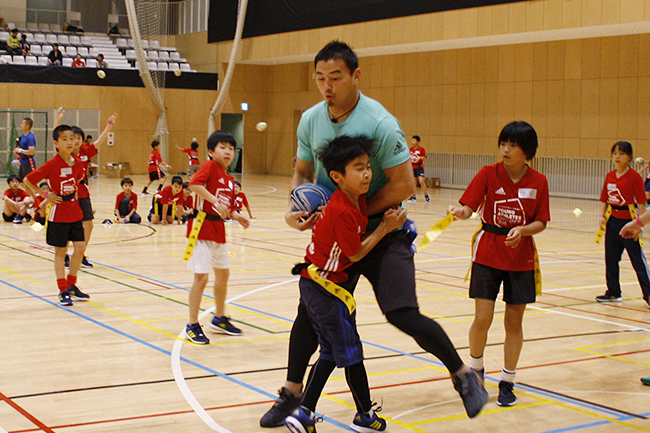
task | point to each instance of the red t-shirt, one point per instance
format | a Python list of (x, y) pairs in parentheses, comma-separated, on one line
[(133, 201), (188, 202), (416, 152), (168, 197), (221, 185), (154, 160), (337, 236), (502, 203), (78, 64), (623, 191), (86, 151), (62, 179), (193, 155), (17, 196), (241, 201), (37, 202)]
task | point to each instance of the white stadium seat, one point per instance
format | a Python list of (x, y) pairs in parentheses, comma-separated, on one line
[(63, 40), (84, 52), (152, 66), (67, 61), (55, 28), (19, 60), (122, 43), (75, 40), (36, 50), (130, 55), (164, 56), (32, 27), (39, 38), (154, 45), (31, 60), (175, 57), (185, 67), (51, 39), (42, 61), (4, 36), (44, 27), (153, 55), (94, 52), (174, 67), (70, 51), (7, 58), (162, 66), (86, 41)]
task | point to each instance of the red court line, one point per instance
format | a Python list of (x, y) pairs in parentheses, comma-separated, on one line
[(23, 412)]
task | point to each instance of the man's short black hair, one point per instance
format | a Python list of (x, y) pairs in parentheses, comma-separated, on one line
[(12, 177), (154, 144), (29, 121), (78, 131), (338, 153), (523, 134), (178, 180), (194, 145), (221, 137), (338, 50), (59, 130), (126, 180)]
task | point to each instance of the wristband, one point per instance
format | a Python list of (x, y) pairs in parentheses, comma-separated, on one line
[(602, 216), (111, 123), (638, 221)]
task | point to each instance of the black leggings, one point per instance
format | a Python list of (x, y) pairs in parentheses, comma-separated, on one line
[(355, 375)]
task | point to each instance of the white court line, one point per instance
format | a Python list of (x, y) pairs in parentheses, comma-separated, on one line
[(633, 328), (177, 370), (3, 430), (422, 408), (583, 287)]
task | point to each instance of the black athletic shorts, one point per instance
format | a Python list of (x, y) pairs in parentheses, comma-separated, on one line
[(39, 219), (158, 210), (24, 170), (390, 269), (518, 286), (418, 172), (647, 184), (9, 218), (58, 234), (155, 175), (86, 208)]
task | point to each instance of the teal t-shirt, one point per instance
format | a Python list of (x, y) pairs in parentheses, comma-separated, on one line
[(369, 118)]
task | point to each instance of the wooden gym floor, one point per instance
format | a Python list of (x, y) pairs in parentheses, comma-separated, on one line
[(117, 363)]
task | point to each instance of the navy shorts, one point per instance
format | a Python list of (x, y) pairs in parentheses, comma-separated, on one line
[(332, 321), (518, 286), (58, 234), (86, 208), (390, 269), (647, 184), (418, 172)]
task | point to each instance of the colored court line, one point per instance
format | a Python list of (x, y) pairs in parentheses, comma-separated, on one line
[(23, 412)]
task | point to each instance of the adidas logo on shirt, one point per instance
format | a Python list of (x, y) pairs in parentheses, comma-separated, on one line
[(500, 191)]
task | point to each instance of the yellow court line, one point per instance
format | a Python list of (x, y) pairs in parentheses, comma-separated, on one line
[(259, 315), (21, 276), (617, 358), (483, 413), (614, 343)]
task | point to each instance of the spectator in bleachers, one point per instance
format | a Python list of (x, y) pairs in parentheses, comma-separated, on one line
[(55, 58), (78, 62), (13, 44), (24, 45), (101, 63)]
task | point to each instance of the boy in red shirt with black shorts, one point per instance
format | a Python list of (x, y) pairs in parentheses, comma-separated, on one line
[(193, 155), (241, 201), (65, 217), (207, 250), (168, 204), (155, 163), (17, 202)]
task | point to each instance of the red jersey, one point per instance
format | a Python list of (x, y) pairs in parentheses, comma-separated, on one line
[(623, 191), (221, 185), (133, 201), (337, 236), (86, 151), (503, 203), (168, 197), (62, 179), (17, 196), (193, 155), (37, 202), (417, 152), (241, 201), (188, 202), (154, 160)]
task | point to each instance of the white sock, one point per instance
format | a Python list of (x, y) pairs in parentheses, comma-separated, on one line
[(508, 376), (476, 364)]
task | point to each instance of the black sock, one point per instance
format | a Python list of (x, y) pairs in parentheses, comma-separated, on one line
[(357, 379), (145, 189), (160, 187), (318, 376)]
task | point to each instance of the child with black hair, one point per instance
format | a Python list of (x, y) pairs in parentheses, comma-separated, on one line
[(126, 204), (16, 202), (207, 249), (325, 287), (168, 203), (513, 202), (193, 155), (241, 201), (40, 204), (624, 206), (155, 165), (188, 202)]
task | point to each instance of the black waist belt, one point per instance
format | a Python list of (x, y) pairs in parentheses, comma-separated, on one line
[(496, 230), (208, 216), (67, 197), (620, 207), (82, 182)]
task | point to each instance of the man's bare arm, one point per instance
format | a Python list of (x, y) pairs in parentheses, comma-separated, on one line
[(400, 186)]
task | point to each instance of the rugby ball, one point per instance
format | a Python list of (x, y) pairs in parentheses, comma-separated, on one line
[(640, 161), (308, 197), (15, 163)]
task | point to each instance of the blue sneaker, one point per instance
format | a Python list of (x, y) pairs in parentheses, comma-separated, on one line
[(64, 299), (195, 334), (368, 423), (481, 375), (506, 397), (77, 294), (223, 325), (302, 421), (471, 391)]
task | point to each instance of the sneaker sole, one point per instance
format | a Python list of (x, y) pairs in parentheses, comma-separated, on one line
[(610, 300), (294, 425), (65, 304), (77, 298), (222, 331), (187, 336), (362, 429), (87, 266), (514, 403)]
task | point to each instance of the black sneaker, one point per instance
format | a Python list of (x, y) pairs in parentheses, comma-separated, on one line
[(28, 217), (85, 263), (285, 404), (195, 334), (481, 375), (506, 396), (471, 391), (608, 298), (77, 294), (66, 261), (64, 299), (223, 325), (426, 197), (368, 423), (646, 380)]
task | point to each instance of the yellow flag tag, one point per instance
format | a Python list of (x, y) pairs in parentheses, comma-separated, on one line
[(436, 230)]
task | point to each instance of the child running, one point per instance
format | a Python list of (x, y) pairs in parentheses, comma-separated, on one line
[(215, 201), (155, 164), (193, 155), (513, 202), (335, 245), (65, 217), (624, 201)]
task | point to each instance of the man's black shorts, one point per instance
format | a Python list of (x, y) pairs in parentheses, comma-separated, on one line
[(58, 234)]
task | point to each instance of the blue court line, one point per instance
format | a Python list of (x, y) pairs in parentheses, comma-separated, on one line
[(164, 351), (593, 424)]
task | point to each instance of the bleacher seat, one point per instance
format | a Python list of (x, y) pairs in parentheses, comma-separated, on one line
[(84, 52), (11, 25), (174, 66), (75, 41), (55, 28), (164, 56), (39, 38), (86, 41), (153, 56), (44, 27), (162, 66), (94, 52), (153, 66), (31, 60), (51, 39), (35, 50), (46, 49), (122, 43), (42, 61), (145, 44), (130, 43), (4, 36), (32, 27), (175, 57), (154, 45), (7, 58), (30, 36), (63, 39), (67, 61), (19, 60), (185, 67), (130, 55), (70, 51)]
